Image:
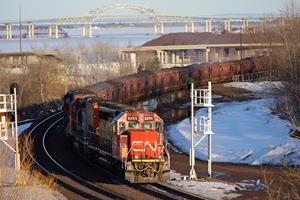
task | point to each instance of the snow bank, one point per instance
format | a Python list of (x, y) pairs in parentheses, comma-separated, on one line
[(23, 127), (245, 132), (213, 189), (258, 87)]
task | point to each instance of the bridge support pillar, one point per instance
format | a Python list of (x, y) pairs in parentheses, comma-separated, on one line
[(90, 31), (162, 28), (186, 28), (83, 31), (87, 30), (31, 32), (227, 26), (193, 27), (56, 31), (8, 31), (245, 24), (155, 29), (208, 25), (50, 31)]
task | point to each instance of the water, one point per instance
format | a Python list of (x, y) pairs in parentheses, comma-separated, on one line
[(115, 37), (112, 37)]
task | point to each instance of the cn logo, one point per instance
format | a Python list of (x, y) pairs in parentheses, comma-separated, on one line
[(143, 148)]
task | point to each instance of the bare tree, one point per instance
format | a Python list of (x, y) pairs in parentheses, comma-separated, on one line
[(287, 61), (94, 63), (149, 65)]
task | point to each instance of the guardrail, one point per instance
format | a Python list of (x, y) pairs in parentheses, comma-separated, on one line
[(257, 76)]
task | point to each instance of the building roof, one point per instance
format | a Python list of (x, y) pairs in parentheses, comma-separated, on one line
[(212, 38)]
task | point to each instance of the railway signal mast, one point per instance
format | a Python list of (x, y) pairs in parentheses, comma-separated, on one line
[(201, 125), (9, 124)]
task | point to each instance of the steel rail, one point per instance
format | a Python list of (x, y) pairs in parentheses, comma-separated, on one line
[(159, 190), (87, 184)]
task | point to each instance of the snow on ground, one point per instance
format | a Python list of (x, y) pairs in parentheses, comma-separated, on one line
[(245, 132), (212, 189), (23, 127), (258, 87)]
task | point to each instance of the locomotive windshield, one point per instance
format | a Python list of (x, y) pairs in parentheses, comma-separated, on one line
[(121, 127), (147, 125), (134, 125), (138, 121), (158, 127)]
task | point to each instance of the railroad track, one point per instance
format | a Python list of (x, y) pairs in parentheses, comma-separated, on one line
[(162, 189), (78, 178)]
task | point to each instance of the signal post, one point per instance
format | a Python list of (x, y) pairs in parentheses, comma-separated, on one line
[(9, 124), (201, 125)]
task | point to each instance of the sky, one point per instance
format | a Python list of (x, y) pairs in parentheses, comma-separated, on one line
[(37, 9)]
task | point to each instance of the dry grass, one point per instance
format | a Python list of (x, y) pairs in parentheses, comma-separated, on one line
[(27, 177), (11, 195), (27, 165), (284, 187)]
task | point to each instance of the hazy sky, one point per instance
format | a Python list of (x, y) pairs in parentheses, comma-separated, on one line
[(34, 9)]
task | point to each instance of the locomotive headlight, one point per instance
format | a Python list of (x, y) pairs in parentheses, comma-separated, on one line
[(129, 165), (136, 157), (159, 157)]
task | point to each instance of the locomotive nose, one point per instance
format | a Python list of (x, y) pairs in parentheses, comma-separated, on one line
[(143, 144)]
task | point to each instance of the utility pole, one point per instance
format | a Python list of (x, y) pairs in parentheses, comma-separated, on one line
[(241, 56)]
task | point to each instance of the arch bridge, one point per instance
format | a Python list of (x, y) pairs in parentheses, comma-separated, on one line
[(55, 25)]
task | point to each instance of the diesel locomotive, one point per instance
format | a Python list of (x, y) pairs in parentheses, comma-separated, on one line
[(130, 142)]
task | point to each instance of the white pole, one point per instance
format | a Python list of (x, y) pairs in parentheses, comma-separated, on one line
[(17, 164), (90, 31), (193, 175), (50, 31), (56, 32), (209, 135), (193, 27)]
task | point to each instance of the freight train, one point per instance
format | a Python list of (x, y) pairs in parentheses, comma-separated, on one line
[(129, 141), (148, 83), (132, 142)]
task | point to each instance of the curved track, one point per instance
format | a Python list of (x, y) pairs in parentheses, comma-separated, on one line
[(78, 178)]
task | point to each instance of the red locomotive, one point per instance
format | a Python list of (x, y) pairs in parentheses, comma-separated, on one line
[(129, 141)]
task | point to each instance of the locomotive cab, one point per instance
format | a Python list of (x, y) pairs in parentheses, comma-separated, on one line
[(144, 156)]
